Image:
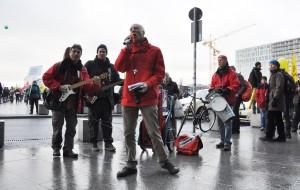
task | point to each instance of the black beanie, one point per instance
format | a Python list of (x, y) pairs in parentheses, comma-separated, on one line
[(102, 46), (257, 63)]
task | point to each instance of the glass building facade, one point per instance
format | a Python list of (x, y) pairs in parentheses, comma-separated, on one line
[(246, 58)]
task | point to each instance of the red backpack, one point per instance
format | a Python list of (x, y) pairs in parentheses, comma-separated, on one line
[(248, 92), (188, 144)]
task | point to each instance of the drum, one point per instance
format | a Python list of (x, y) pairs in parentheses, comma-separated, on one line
[(219, 104)]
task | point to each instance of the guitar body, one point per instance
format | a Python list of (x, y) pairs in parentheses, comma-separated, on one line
[(65, 95)]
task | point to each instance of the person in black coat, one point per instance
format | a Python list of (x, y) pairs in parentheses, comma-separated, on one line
[(104, 99), (255, 78)]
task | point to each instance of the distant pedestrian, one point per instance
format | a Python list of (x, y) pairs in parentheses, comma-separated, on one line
[(261, 94), (255, 78), (34, 96), (276, 104), (296, 102), (236, 108)]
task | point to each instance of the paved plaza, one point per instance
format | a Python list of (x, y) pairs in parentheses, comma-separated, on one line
[(26, 162)]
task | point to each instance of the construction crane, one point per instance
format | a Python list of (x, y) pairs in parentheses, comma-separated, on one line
[(212, 46)]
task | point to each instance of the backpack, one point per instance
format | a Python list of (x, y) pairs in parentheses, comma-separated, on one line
[(289, 83), (188, 144), (247, 93)]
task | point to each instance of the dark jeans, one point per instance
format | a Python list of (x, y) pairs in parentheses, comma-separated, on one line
[(255, 109), (236, 120), (101, 109), (287, 112), (33, 102), (296, 117), (275, 120), (58, 118)]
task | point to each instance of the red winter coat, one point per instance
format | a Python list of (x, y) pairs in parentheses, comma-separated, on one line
[(261, 95), (53, 83), (148, 62), (227, 80)]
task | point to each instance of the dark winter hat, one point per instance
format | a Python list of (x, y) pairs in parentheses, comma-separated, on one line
[(222, 57), (257, 63), (102, 46), (275, 62)]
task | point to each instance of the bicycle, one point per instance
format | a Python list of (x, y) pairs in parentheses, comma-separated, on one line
[(205, 117), (169, 129)]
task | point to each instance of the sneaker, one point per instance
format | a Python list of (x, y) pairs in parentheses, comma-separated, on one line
[(95, 147), (56, 153), (109, 147), (70, 154), (126, 171), (170, 167), (227, 147), (220, 145), (262, 129), (265, 139)]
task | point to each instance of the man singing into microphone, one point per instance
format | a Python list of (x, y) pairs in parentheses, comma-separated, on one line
[(144, 64)]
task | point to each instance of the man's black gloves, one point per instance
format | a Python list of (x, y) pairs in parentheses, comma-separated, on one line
[(274, 102), (223, 91)]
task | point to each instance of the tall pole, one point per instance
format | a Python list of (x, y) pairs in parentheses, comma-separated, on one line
[(195, 67)]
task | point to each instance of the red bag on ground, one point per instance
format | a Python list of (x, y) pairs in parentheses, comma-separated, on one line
[(248, 92), (188, 144)]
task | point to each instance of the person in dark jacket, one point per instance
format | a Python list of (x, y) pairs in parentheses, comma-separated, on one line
[(144, 65), (59, 79), (238, 101), (276, 104), (254, 79), (261, 94), (296, 102), (104, 103), (34, 96), (226, 82), (171, 86)]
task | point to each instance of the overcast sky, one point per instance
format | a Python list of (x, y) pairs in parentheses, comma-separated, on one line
[(40, 30)]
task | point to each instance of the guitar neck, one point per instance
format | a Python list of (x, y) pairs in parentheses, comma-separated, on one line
[(81, 83), (111, 85)]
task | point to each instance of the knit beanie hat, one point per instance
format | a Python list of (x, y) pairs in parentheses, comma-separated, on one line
[(257, 63), (102, 46), (275, 62)]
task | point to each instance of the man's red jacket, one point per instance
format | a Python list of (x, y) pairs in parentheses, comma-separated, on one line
[(227, 80), (143, 63)]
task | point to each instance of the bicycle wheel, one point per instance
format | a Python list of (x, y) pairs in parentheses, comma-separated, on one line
[(196, 120), (207, 120)]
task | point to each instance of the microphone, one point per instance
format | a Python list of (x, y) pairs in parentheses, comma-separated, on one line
[(127, 41)]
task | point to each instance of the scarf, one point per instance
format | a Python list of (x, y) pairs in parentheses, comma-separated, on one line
[(223, 70)]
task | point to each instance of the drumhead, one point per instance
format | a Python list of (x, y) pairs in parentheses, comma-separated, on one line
[(218, 103)]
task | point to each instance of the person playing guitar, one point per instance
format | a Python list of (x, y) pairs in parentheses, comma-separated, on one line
[(59, 78), (102, 102)]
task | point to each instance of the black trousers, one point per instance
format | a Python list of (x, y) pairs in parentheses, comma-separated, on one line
[(101, 109), (236, 119), (296, 117), (58, 118), (33, 102), (275, 120), (287, 113)]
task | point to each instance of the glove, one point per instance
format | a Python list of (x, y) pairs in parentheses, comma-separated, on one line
[(64, 88), (274, 102), (143, 88)]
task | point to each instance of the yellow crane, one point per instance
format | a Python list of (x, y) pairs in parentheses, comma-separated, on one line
[(212, 46)]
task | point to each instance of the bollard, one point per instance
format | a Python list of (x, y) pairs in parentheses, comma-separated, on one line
[(2, 125), (84, 132), (43, 110)]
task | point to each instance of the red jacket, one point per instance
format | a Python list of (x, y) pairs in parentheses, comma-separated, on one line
[(227, 80), (261, 94), (53, 83), (147, 62)]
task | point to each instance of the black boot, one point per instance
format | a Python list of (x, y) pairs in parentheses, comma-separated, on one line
[(170, 167), (70, 154), (126, 171), (56, 152)]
